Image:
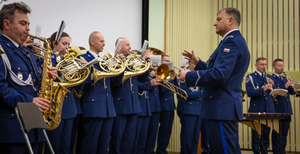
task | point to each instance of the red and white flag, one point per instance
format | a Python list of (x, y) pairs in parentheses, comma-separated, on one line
[(226, 50)]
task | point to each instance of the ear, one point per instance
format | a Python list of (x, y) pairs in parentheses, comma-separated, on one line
[(6, 24), (54, 44), (231, 21), (92, 42)]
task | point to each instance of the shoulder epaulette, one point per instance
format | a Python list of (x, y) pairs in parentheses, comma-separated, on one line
[(9, 45), (230, 37)]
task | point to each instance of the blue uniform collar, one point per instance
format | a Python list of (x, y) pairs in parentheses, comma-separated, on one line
[(93, 53), (258, 73), (89, 54), (12, 41), (229, 33), (275, 74)]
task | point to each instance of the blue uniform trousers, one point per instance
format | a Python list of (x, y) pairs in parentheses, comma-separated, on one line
[(97, 134), (165, 130), (80, 135), (152, 132), (123, 134), (189, 136), (223, 136), (275, 138), (256, 140), (141, 134), (60, 138), (238, 148), (73, 134), (18, 148), (205, 136)]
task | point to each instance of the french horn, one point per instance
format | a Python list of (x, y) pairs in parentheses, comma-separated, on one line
[(111, 65), (136, 63)]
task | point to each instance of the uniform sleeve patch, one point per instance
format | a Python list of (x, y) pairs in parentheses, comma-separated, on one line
[(226, 50)]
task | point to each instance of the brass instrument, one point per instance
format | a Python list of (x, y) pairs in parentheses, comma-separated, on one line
[(74, 51), (162, 73), (53, 91), (71, 69), (273, 96), (111, 64), (297, 95), (136, 65), (155, 51)]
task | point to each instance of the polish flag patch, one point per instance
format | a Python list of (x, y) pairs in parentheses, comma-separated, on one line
[(226, 50)]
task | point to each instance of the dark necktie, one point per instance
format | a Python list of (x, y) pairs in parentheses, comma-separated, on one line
[(281, 77), (36, 73)]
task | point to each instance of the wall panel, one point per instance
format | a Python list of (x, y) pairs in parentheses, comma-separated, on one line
[(270, 27)]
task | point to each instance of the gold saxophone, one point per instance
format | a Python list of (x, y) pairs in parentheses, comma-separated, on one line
[(55, 91), (136, 64)]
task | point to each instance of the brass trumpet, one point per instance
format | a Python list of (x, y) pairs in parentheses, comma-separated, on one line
[(163, 74)]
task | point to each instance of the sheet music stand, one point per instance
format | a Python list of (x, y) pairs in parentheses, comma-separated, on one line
[(30, 117)]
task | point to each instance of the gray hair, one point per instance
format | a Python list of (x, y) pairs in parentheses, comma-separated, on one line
[(8, 12), (233, 12)]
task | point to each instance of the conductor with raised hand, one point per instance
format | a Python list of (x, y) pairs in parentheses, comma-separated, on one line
[(221, 80)]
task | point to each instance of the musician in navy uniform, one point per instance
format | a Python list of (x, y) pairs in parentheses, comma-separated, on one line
[(221, 81), (97, 103), (20, 79), (283, 105), (189, 114), (166, 115), (261, 100), (144, 116), (127, 107), (154, 119), (60, 137)]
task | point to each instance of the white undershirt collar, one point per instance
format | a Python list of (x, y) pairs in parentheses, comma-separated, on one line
[(15, 43)]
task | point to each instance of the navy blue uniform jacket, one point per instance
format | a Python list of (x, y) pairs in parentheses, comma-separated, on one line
[(167, 97), (97, 100), (126, 96), (222, 78), (284, 102), (12, 93), (260, 101), (154, 99), (191, 106), (144, 98)]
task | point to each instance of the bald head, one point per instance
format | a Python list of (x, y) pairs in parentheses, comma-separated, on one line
[(93, 36), (96, 42), (126, 48)]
